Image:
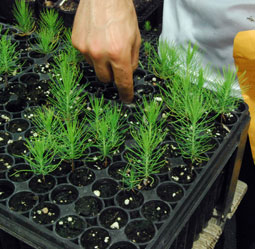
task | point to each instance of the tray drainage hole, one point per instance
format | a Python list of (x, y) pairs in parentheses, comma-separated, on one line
[(64, 194), (95, 237), (6, 189), (70, 226)]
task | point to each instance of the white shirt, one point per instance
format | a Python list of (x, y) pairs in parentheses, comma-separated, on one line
[(212, 25)]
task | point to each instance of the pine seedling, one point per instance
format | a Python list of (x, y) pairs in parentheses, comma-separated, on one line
[(68, 96), (149, 113), (107, 127), (46, 41), (147, 26), (193, 140), (50, 20), (42, 152), (130, 178), (225, 98), (146, 155), (73, 139), (191, 131), (74, 55), (184, 89), (46, 123), (145, 158), (9, 58), (165, 62), (191, 60), (24, 17), (190, 104)]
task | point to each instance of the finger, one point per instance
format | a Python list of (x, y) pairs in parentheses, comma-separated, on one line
[(135, 52), (87, 58), (123, 77), (103, 71)]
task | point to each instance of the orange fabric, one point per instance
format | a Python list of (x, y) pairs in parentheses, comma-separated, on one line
[(244, 56)]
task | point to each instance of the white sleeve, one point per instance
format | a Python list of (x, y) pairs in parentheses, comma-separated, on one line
[(212, 25)]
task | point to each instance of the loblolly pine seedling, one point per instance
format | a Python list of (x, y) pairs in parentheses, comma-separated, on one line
[(42, 152), (193, 140), (74, 55), (46, 123), (165, 62), (46, 41), (107, 127), (9, 57), (184, 88), (191, 61), (225, 98), (68, 97), (49, 30), (24, 17), (50, 20), (73, 139), (145, 157), (190, 103), (130, 178), (147, 26)]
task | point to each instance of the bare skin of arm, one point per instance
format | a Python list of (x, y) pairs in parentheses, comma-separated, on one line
[(107, 34)]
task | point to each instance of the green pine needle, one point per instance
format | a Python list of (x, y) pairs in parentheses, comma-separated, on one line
[(42, 152), (9, 57), (24, 17)]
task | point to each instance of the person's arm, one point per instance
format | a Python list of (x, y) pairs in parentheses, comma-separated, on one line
[(107, 34)]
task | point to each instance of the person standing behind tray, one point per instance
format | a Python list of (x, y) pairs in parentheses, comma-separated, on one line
[(107, 34)]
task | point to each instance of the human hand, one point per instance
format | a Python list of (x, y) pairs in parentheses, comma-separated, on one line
[(107, 34)]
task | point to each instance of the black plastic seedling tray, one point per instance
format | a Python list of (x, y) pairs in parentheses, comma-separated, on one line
[(170, 214)]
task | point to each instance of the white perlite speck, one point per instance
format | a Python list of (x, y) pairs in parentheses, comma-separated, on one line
[(115, 225), (106, 239), (97, 192)]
